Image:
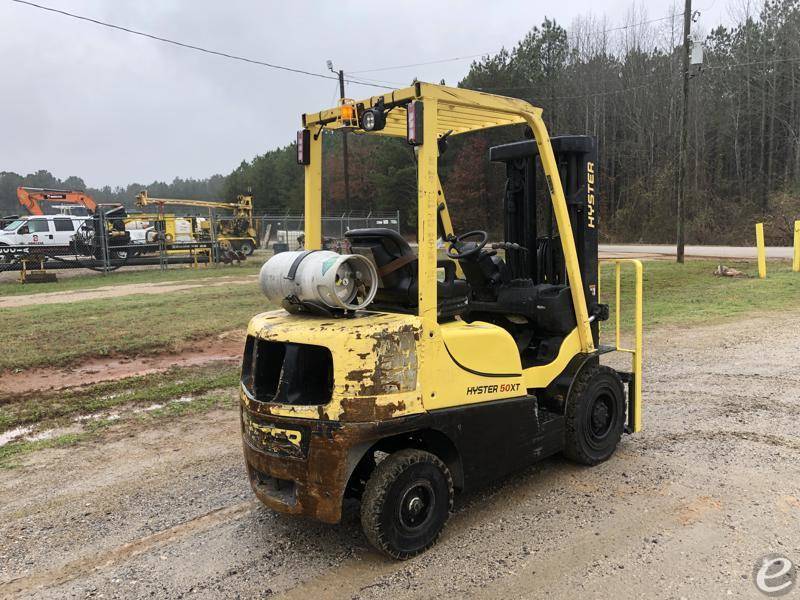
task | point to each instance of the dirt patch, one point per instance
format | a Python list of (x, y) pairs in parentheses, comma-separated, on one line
[(224, 347), (118, 291)]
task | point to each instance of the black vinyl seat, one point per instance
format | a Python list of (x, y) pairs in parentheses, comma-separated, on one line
[(397, 270)]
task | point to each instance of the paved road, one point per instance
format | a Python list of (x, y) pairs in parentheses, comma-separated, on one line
[(694, 251)]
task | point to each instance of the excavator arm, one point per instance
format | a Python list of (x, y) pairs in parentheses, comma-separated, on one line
[(33, 198)]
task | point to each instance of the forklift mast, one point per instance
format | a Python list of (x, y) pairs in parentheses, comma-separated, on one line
[(541, 259)]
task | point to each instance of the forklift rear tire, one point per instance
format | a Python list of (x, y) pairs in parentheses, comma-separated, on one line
[(595, 415), (406, 503)]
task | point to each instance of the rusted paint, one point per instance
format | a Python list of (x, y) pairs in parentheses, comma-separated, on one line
[(374, 357), (358, 375), (375, 393), (320, 479), (369, 408)]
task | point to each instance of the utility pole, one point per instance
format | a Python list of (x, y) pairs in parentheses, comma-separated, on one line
[(683, 151), (344, 142)]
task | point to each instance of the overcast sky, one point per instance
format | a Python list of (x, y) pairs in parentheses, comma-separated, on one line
[(80, 99)]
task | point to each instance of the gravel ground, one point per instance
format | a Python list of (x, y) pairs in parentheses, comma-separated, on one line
[(683, 510)]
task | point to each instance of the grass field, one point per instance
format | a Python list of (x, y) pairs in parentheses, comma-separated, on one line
[(60, 334), (11, 287), (688, 294)]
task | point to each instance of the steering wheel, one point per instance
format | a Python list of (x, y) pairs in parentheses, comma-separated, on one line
[(455, 250)]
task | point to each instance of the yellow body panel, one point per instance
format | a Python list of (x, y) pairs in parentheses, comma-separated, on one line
[(481, 347), (471, 363), (374, 359), (377, 363), (541, 376)]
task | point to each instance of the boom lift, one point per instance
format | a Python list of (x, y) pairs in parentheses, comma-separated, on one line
[(389, 378), (238, 233), (33, 199)]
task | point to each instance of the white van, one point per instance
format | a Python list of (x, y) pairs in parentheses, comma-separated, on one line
[(50, 231)]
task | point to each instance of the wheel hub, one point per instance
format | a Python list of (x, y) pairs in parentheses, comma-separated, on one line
[(601, 416), (416, 505)]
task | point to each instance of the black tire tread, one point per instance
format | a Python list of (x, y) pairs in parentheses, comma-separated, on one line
[(387, 471), (572, 449)]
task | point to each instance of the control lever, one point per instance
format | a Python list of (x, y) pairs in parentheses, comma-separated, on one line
[(507, 246)]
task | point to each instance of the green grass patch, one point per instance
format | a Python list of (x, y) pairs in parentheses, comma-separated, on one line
[(158, 388), (12, 287), (690, 294), (17, 449), (94, 429), (60, 334), (212, 387), (199, 404)]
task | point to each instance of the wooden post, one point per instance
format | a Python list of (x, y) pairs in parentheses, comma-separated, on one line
[(762, 252), (683, 149), (796, 260)]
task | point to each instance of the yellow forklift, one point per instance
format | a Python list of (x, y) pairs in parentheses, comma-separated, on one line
[(400, 378)]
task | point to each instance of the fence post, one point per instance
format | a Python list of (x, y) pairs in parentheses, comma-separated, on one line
[(796, 260), (162, 240), (762, 253), (104, 240)]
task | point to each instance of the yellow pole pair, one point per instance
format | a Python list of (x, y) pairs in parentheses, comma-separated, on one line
[(762, 251)]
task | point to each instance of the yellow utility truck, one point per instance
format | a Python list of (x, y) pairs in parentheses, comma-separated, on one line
[(237, 232), (400, 378)]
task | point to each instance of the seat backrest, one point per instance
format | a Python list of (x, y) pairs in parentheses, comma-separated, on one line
[(383, 247)]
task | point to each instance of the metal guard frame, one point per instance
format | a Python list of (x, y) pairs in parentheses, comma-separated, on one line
[(636, 351)]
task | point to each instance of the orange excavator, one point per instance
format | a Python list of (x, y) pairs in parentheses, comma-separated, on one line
[(33, 199)]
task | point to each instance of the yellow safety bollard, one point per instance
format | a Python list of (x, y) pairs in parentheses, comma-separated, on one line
[(762, 252), (796, 261)]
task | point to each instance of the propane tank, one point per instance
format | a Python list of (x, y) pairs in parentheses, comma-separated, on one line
[(319, 281)]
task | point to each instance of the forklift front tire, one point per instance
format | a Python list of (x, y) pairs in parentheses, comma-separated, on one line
[(595, 415), (406, 503), (247, 248)]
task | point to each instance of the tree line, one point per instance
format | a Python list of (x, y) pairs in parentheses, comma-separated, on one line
[(212, 188), (620, 84)]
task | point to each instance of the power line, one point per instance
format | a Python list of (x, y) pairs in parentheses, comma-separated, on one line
[(184, 44), (632, 25), (757, 62), (471, 56), (391, 84), (421, 64), (575, 97), (632, 88)]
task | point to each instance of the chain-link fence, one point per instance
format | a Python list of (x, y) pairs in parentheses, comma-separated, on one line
[(284, 231), (112, 238)]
